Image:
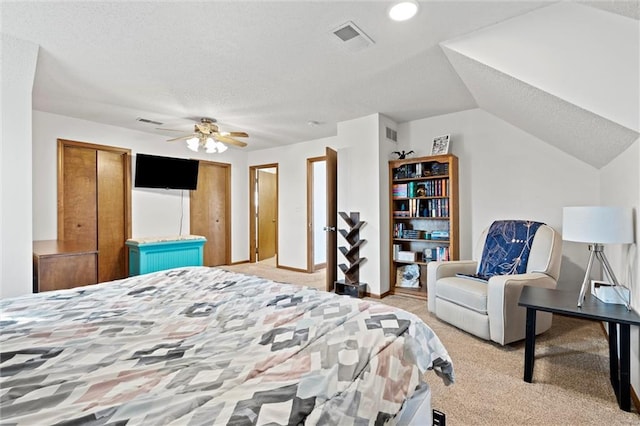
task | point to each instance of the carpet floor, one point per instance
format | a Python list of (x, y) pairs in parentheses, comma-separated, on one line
[(570, 380)]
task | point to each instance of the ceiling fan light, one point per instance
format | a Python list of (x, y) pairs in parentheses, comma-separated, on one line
[(193, 144), (403, 10), (221, 147), (210, 146)]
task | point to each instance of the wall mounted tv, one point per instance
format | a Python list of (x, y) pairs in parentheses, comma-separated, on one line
[(153, 171)]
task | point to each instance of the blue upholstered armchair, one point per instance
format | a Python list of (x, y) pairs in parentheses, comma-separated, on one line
[(511, 254)]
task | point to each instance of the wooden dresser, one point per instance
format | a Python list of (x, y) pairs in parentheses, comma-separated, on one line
[(63, 264)]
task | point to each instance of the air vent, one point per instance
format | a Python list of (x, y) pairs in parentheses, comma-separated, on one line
[(352, 37), (392, 134), (146, 120)]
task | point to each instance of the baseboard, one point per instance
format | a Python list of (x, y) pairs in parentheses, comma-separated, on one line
[(634, 396), (377, 296), (289, 268), (239, 263)]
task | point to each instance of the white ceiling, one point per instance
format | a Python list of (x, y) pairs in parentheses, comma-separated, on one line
[(267, 68)]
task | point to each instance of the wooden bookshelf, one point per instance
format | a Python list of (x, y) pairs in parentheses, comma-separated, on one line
[(423, 203)]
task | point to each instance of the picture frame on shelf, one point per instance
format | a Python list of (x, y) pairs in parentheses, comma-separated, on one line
[(440, 145)]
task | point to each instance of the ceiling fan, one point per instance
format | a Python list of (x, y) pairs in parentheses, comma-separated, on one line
[(207, 135)]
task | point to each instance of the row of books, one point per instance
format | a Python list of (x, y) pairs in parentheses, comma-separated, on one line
[(429, 254), (409, 171), (438, 207), (430, 188)]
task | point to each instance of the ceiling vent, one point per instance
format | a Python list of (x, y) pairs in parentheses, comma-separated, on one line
[(352, 37), (392, 135), (146, 120)]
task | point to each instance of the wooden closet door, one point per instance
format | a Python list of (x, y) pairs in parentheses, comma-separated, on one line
[(111, 216), (210, 212), (94, 202), (77, 209)]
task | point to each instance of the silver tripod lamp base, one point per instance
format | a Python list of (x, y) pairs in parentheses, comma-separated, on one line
[(598, 253)]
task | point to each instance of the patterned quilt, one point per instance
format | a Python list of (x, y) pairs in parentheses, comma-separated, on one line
[(204, 346)]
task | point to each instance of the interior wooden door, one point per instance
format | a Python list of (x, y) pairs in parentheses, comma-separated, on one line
[(112, 230), (267, 214), (94, 202), (77, 195), (210, 211), (332, 218)]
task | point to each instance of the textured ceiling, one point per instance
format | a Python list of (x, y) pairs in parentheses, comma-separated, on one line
[(568, 75), (267, 68), (583, 134)]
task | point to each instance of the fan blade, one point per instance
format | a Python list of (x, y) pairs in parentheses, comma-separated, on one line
[(181, 138), (169, 130), (236, 134), (230, 141)]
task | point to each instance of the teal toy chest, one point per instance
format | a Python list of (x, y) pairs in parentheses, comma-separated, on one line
[(157, 254)]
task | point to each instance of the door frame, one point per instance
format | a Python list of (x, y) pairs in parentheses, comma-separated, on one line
[(331, 156), (253, 210), (311, 266), (227, 206)]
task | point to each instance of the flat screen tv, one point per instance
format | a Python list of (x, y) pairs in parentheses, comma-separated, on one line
[(153, 171)]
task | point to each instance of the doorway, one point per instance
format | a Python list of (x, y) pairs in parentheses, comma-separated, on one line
[(316, 213), (263, 224)]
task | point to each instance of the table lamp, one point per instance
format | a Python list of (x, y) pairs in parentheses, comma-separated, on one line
[(598, 225)]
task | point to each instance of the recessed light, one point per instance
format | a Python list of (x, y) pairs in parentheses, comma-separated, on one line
[(403, 10), (313, 123)]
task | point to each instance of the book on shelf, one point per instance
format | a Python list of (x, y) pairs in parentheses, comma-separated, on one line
[(411, 234), (440, 235), (396, 249), (442, 254), (406, 256), (400, 190), (398, 229)]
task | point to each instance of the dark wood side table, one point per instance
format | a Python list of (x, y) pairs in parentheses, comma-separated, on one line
[(565, 303)]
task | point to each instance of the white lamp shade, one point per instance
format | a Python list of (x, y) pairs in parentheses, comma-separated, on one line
[(598, 224)]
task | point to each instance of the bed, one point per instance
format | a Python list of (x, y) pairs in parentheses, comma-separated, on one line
[(198, 345)]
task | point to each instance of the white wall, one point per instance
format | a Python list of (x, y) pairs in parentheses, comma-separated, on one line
[(357, 143), (19, 59), (620, 186), (292, 195), (154, 212), (505, 173), (359, 179)]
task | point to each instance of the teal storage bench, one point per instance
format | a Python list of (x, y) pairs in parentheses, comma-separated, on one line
[(157, 254)]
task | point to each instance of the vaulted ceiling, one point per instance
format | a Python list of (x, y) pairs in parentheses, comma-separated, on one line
[(566, 72)]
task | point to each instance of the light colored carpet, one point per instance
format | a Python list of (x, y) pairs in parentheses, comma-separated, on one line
[(570, 381)]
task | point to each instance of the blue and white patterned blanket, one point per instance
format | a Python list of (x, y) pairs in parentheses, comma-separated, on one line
[(506, 249), (204, 346)]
